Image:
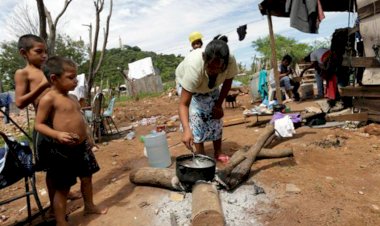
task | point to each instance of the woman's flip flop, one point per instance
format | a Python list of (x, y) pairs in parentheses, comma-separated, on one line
[(223, 158)]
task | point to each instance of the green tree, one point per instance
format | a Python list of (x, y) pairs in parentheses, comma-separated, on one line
[(284, 46), (75, 50), (10, 61)]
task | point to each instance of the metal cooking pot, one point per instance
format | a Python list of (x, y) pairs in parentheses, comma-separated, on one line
[(189, 174)]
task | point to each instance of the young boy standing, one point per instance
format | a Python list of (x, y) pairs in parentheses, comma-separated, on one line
[(59, 117), (30, 81)]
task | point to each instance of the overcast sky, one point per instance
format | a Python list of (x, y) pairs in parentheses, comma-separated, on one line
[(163, 26)]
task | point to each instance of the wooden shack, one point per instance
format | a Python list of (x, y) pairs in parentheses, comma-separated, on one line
[(367, 96), (142, 77)]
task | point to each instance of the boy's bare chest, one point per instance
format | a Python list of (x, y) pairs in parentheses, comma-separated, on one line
[(35, 78), (66, 106)]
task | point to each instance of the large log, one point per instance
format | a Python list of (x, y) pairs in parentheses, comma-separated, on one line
[(241, 171), (206, 206), (240, 155), (157, 177), (267, 153)]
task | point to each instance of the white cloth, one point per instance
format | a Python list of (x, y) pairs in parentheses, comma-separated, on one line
[(141, 68), (317, 54), (191, 75), (284, 127), (272, 81), (79, 91)]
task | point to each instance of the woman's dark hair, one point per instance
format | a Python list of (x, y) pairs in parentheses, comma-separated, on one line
[(218, 49), (221, 37), (287, 58)]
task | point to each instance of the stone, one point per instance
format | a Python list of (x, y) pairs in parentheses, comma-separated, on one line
[(361, 193), (329, 178), (175, 196), (375, 207), (292, 188)]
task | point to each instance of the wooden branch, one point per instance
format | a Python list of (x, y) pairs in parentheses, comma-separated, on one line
[(42, 19), (157, 177), (105, 40), (267, 153), (240, 172), (206, 206), (67, 3), (269, 141), (91, 67)]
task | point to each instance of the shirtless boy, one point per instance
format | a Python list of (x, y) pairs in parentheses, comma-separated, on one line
[(59, 117)]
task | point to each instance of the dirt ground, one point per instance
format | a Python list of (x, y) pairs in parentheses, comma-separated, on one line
[(336, 172)]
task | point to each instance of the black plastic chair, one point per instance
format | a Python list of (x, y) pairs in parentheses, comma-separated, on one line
[(19, 165)]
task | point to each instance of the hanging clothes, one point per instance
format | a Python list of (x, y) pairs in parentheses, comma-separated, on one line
[(263, 87), (242, 31), (303, 14)]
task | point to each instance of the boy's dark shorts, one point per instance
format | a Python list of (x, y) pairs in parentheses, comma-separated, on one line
[(66, 163), (41, 146)]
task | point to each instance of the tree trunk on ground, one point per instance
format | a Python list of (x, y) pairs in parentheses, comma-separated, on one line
[(206, 206), (241, 171), (157, 177)]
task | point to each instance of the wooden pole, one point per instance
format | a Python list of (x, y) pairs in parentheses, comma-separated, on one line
[(274, 59)]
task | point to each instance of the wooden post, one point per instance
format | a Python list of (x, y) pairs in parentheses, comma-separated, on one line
[(274, 59), (206, 206)]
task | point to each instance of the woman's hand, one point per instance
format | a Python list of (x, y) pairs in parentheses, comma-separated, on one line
[(217, 112), (188, 140)]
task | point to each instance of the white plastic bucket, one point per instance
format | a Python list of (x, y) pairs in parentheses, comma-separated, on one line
[(157, 150)]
